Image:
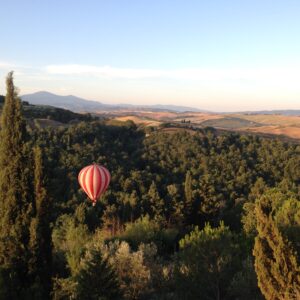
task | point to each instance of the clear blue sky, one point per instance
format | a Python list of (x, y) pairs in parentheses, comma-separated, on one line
[(218, 55)]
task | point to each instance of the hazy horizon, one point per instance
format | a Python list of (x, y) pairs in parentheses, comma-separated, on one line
[(220, 56), (154, 104)]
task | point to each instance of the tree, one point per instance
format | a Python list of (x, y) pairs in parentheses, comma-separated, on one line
[(206, 263), (96, 279), (275, 260), (69, 243), (70, 238), (142, 230), (244, 283), (40, 233), (15, 198), (288, 220), (176, 205), (157, 204), (188, 191), (134, 276)]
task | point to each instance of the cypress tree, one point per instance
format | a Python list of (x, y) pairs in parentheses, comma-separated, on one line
[(40, 233), (15, 198), (276, 265), (156, 202), (188, 192)]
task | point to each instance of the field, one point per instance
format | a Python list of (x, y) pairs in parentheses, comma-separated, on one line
[(270, 124), (139, 120)]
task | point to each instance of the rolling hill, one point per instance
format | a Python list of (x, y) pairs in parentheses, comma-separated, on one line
[(284, 123)]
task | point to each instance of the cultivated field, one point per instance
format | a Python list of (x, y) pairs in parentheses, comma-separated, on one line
[(273, 124)]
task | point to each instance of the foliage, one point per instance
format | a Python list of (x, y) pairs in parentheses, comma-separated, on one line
[(143, 230), (244, 283), (286, 215), (54, 113), (133, 274), (207, 260), (69, 239), (15, 196), (40, 243), (276, 264), (96, 279)]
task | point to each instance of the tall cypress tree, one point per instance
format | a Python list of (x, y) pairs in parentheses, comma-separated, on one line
[(40, 234), (15, 198), (188, 193), (156, 202), (276, 265)]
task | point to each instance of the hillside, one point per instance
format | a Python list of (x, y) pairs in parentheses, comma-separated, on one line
[(56, 114), (287, 126)]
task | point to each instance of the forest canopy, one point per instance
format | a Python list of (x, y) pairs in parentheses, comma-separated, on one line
[(183, 217)]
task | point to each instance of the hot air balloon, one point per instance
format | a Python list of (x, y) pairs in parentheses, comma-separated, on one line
[(94, 180)]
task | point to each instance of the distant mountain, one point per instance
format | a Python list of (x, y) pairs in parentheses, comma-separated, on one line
[(67, 102), (77, 104), (284, 112)]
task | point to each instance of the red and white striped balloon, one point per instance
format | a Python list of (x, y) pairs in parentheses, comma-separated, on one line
[(94, 180)]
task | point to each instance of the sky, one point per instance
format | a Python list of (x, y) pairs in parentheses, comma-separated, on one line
[(218, 55)]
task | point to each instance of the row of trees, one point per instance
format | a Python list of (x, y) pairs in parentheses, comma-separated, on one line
[(188, 215), (25, 236)]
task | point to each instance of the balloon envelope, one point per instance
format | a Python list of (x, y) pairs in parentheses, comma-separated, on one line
[(94, 180)]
